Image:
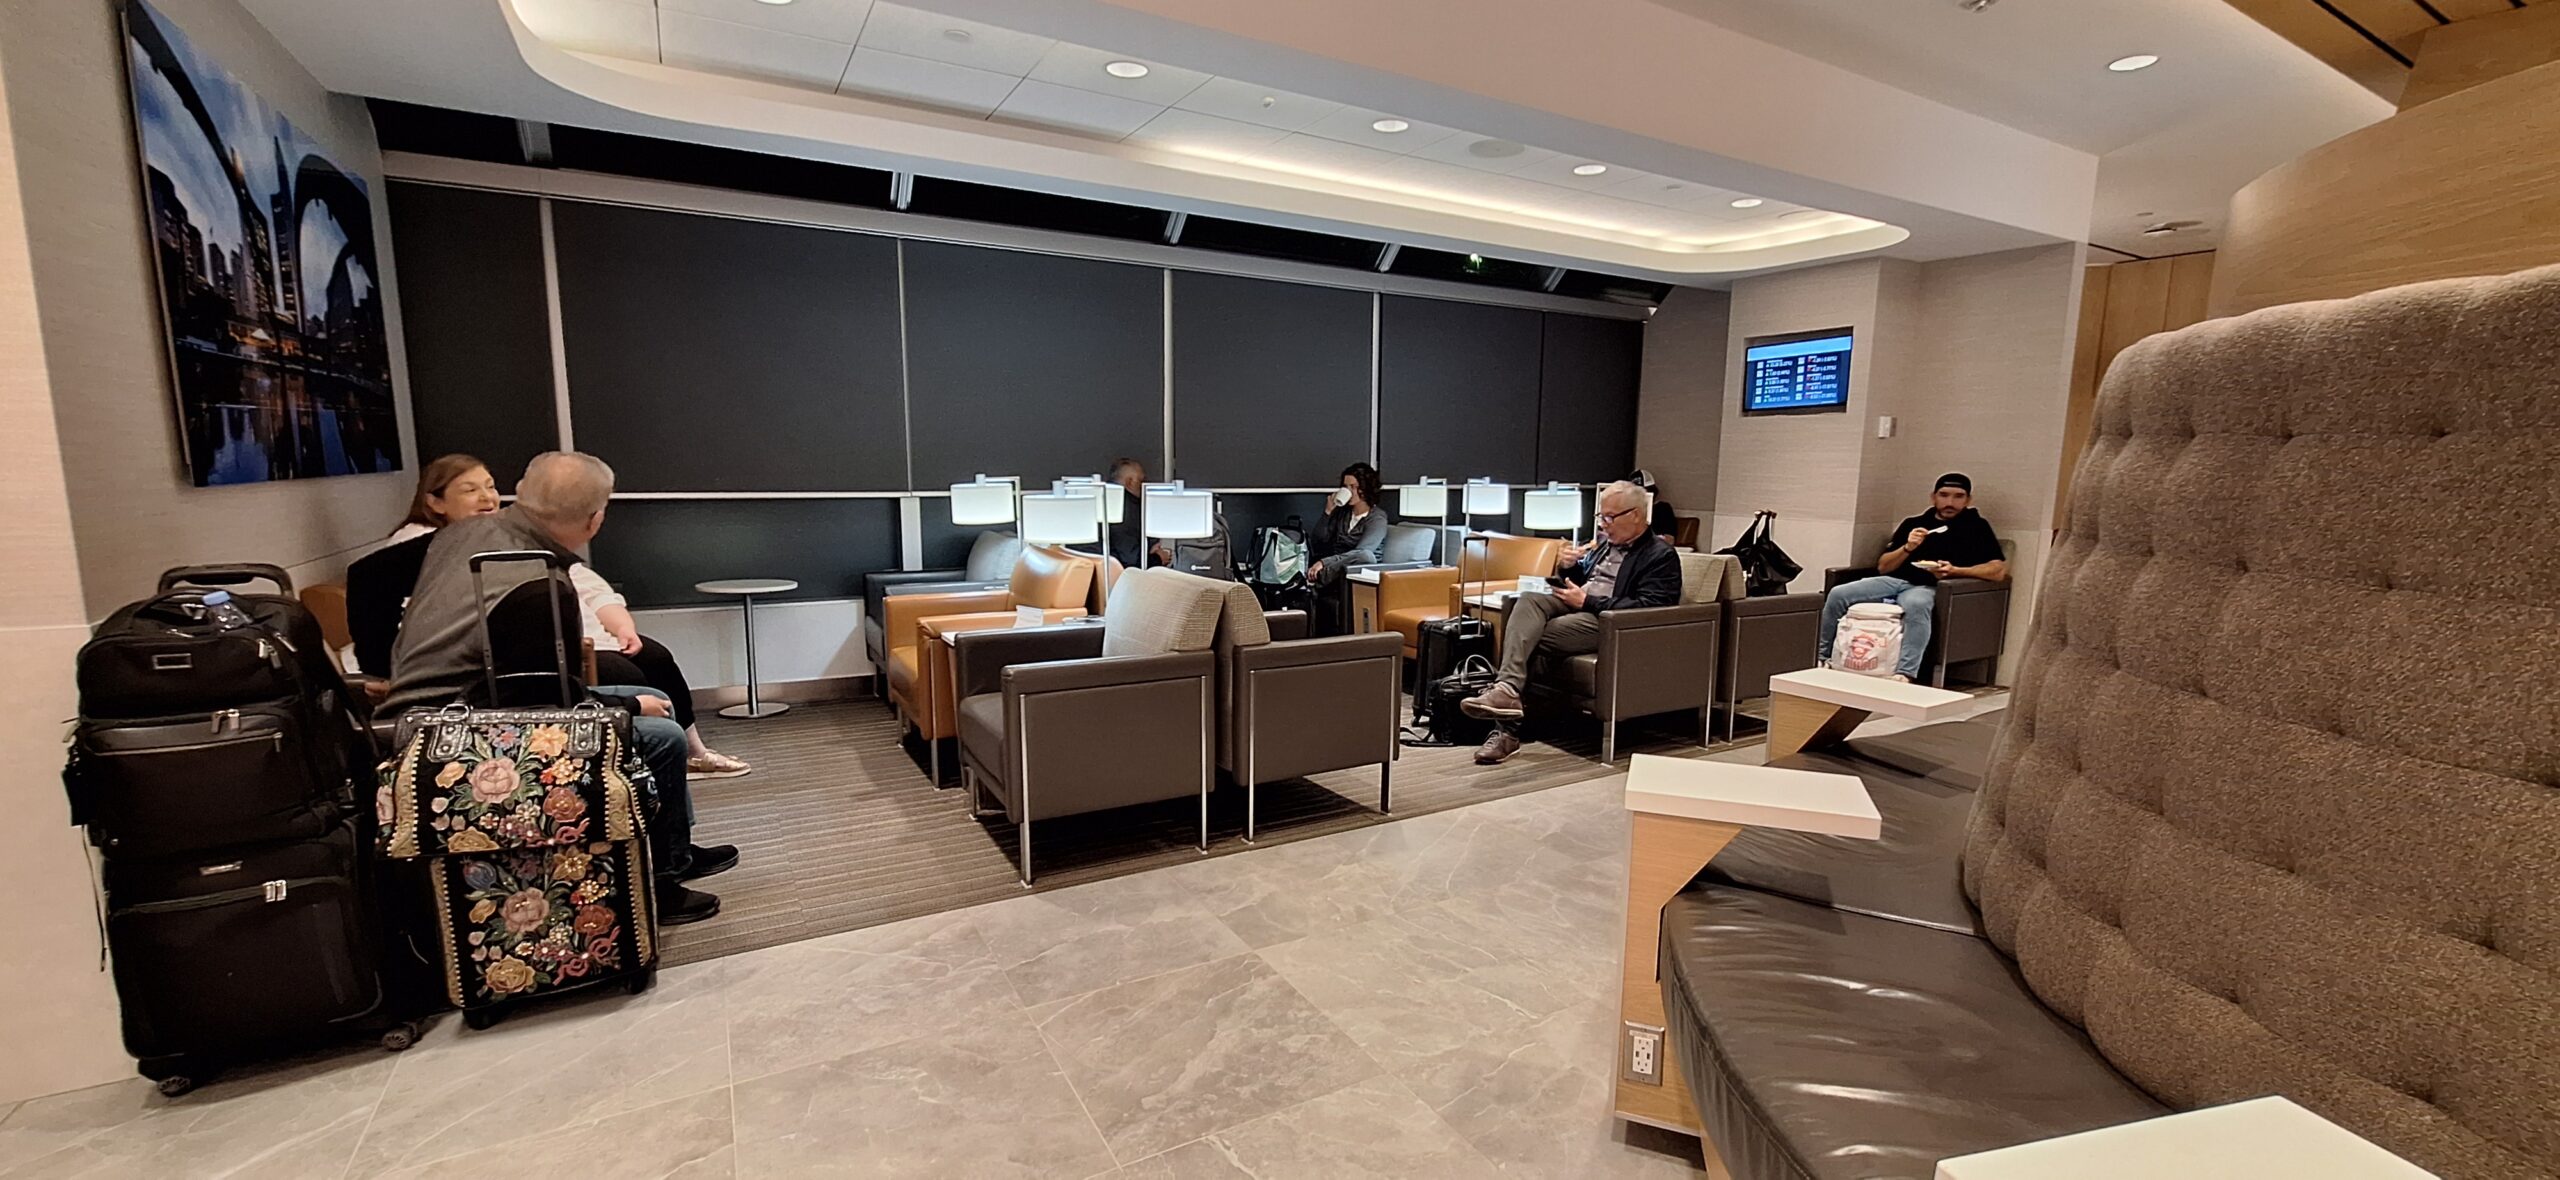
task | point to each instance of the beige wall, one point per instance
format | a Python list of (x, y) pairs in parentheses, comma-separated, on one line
[(59, 1023), (1802, 466), (1971, 357), (1679, 416), (132, 509)]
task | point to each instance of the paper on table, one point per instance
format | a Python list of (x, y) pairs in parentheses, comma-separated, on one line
[(1532, 584), (1030, 616)]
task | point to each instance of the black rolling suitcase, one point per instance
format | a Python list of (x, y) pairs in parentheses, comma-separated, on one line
[(529, 826), (211, 764), (1440, 645)]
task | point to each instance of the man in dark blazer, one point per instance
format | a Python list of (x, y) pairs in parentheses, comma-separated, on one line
[(1626, 566)]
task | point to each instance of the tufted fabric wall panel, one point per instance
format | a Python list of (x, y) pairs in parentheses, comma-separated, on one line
[(2278, 809)]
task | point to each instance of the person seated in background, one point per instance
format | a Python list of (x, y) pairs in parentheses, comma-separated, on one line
[(1666, 523), (1350, 534), (559, 507), (1625, 567), (1128, 538), (1950, 540), (455, 487)]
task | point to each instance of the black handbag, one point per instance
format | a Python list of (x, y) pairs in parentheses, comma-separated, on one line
[(1766, 569)]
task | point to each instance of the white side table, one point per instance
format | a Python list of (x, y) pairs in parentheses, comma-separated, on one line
[(2252, 1140), (746, 590), (1819, 706)]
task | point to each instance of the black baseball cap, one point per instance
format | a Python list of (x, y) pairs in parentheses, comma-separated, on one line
[(1954, 479)]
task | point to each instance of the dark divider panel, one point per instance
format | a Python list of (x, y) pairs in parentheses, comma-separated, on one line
[(1587, 398), (477, 325), (1270, 381), (1031, 364), (715, 354), (946, 545), (655, 550), (1457, 390)]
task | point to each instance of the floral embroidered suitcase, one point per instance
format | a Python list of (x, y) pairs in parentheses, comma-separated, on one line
[(530, 827)]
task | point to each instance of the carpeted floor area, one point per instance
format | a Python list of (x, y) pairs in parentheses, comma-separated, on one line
[(839, 829)]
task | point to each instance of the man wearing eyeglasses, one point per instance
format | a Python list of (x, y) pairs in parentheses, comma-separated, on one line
[(1624, 567)]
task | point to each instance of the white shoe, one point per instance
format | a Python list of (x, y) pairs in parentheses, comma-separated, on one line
[(1900, 678)]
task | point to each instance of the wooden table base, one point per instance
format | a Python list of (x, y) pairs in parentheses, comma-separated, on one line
[(1664, 853), (1799, 723)]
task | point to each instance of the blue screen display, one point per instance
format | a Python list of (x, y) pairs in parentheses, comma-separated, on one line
[(1805, 374)]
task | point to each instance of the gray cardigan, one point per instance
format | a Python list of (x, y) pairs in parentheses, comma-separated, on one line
[(1357, 544)]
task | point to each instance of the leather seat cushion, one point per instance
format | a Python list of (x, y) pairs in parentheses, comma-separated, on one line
[(902, 669), (1408, 622), (1823, 1045), (1576, 676), (1910, 873), (982, 731), (1953, 753)]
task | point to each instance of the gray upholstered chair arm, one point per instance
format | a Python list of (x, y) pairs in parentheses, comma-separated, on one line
[(1286, 624), (1773, 604), (1299, 653), (1832, 578), (1642, 617), (980, 658), (1105, 672), (1969, 586)]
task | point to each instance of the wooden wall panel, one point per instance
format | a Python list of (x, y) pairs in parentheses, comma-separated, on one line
[(2460, 56), (2190, 289), (2082, 408), (2465, 185), (2119, 306)]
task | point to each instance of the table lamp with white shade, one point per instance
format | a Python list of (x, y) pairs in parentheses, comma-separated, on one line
[(987, 499), (1554, 508), (1109, 507), (1170, 512), (1427, 497)]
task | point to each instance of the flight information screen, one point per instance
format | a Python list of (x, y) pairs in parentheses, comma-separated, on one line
[(1800, 373)]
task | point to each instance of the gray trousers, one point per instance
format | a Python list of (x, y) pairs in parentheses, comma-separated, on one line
[(1539, 622)]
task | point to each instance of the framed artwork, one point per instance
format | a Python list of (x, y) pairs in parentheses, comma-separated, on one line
[(270, 296)]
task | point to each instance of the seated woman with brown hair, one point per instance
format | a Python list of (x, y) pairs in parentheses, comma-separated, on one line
[(457, 486)]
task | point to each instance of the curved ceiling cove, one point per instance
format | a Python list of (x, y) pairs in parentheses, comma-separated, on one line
[(909, 89)]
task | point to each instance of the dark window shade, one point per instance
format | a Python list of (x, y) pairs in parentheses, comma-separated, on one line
[(717, 167), (1031, 364), (1583, 284), (655, 550), (947, 545), (434, 131), (1587, 398), (715, 354), (1457, 390), (476, 323), (1468, 268), (936, 197), (1270, 382), (1271, 241)]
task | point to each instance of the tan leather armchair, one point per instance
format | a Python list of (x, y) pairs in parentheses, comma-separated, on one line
[(1057, 581), (1409, 598)]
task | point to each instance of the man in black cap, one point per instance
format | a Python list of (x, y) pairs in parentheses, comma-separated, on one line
[(1950, 540)]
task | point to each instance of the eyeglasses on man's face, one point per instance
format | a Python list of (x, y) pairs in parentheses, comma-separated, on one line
[(1604, 518)]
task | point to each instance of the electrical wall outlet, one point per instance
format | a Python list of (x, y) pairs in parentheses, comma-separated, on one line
[(1642, 1059)]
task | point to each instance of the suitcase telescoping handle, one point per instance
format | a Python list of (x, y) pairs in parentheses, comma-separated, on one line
[(226, 576), (553, 568)]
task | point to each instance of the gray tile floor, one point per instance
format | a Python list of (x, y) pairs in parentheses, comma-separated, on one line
[(1432, 997)]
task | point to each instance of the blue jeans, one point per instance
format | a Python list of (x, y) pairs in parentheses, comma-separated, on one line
[(1918, 606), (662, 745)]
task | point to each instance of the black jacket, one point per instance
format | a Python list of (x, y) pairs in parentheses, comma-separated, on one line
[(1648, 576)]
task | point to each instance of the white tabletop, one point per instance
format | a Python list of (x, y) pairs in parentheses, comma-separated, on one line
[(1497, 598), (1753, 796), (2258, 1139), (1876, 694), (748, 586), (1369, 577)]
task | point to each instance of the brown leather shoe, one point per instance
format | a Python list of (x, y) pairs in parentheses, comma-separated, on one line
[(1498, 703), (1501, 744)]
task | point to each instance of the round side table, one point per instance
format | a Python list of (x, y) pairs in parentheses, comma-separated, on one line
[(746, 590)]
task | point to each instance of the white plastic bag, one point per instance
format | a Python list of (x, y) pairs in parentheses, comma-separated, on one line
[(1869, 641)]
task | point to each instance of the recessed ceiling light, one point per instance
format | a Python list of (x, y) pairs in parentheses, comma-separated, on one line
[(1123, 69), (2139, 61), (1748, 203), (1590, 169), (777, 2), (961, 35), (1390, 126)]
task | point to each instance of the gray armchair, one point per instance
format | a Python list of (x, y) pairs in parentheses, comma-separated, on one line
[(1077, 718), (1968, 628), (1290, 706), (1762, 637), (990, 565), (1651, 660)]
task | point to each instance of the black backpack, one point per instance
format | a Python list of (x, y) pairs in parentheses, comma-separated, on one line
[(1766, 569), (196, 735)]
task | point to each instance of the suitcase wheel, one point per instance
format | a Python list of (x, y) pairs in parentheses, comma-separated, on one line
[(402, 1035), (176, 1084), (479, 1019)]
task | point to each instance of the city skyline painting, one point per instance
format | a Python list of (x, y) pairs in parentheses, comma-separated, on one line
[(268, 284)]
